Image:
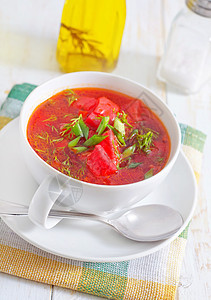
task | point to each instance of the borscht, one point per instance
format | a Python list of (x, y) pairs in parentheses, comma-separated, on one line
[(99, 136)]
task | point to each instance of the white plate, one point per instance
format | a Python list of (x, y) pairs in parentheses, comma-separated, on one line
[(82, 239)]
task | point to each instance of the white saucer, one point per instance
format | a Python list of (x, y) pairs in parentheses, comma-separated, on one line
[(82, 239)]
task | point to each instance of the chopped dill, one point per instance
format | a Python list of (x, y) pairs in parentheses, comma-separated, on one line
[(41, 137), (66, 162), (146, 129), (68, 127), (160, 159), (60, 148), (67, 115), (39, 150), (51, 118), (134, 165), (65, 170), (44, 137), (123, 117), (56, 140), (145, 141), (116, 150), (71, 96), (53, 128)]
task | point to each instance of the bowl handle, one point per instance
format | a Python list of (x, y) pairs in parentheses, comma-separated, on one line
[(54, 192)]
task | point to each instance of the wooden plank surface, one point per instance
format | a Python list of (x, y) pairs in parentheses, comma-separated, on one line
[(195, 110), (147, 26)]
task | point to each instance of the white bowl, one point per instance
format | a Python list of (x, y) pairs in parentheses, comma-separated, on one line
[(94, 197)]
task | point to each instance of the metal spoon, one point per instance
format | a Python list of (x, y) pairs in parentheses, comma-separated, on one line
[(145, 223)]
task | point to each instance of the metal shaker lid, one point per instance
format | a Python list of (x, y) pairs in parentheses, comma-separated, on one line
[(201, 7)]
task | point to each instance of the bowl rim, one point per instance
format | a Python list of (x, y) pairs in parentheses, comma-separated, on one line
[(169, 163)]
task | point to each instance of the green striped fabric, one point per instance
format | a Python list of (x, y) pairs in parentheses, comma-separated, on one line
[(192, 137)]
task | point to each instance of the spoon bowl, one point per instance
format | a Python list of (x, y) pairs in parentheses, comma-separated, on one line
[(144, 223), (148, 223)]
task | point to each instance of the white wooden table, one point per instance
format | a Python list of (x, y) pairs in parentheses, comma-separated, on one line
[(28, 35)]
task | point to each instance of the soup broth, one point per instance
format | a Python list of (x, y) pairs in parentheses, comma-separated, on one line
[(99, 136)]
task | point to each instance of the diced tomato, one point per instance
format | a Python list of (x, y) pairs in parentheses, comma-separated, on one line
[(105, 108), (99, 162), (92, 121), (137, 111), (86, 103), (111, 146)]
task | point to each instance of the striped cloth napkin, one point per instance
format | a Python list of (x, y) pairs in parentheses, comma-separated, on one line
[(154, 276)]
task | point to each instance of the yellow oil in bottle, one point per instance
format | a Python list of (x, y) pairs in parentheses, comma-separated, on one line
[(90, 35)]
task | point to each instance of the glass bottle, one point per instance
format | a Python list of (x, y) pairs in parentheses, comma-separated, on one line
[(186, 62), (90, 35)]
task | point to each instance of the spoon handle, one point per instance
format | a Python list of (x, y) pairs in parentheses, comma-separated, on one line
[(13, 209)]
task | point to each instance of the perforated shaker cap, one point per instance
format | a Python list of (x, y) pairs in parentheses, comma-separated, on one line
[(201, 7)]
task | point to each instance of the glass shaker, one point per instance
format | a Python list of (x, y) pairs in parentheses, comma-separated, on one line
[(186, 62), (90, 35)]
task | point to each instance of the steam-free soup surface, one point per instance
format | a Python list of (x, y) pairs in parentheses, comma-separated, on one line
[(99, 136)]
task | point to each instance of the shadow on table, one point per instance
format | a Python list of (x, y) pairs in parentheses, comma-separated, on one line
[(22, 51), (141, 68), (27, 51)]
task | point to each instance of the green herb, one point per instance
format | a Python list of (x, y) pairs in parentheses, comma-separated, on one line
[(146, 129), (77, 130), (99, 117), (66, 129), (66, 162), (44, 137), (56, 140), (126, 160), (39, 150), (74, 142), (75, 120), (53, 128), (64, 170), (134, 165), (116, 151), (103, 125), (60, 148), (94, 140), (160, 159), (148, 174), (79, 149), (51, 118), (41, 137), (120, 138), (84, 128), (133, 133), (123, 117), (119, 126), (76, 126), (129, 151), (145, 141), (68, 115), (71, 96)]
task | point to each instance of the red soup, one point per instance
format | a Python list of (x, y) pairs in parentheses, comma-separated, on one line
[(99, 136)]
